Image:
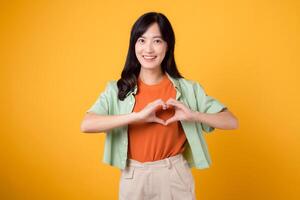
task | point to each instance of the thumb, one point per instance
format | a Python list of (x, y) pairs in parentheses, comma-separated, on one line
[(170, 120), (158, 120)]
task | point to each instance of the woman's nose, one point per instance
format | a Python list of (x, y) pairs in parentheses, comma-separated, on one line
[(149, 47)]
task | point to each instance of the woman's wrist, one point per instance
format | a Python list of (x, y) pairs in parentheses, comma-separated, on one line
[(197, 116), (134, 117)]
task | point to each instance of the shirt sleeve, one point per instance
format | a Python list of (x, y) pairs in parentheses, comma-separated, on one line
[(207, 104), (101, 105)]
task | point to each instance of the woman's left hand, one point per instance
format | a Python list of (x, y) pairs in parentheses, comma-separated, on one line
[(182, 112)]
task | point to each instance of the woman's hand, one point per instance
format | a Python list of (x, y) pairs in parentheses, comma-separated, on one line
[(147, 114), (182, 112)]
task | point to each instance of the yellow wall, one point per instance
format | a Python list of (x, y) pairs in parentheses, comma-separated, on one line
[(56, 57)]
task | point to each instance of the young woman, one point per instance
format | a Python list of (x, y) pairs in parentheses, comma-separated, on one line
[(154, 118)]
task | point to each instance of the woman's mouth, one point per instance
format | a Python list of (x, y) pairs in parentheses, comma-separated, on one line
[(149, 58)]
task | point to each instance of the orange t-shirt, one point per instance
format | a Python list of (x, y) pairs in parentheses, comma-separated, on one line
[(154, 141)]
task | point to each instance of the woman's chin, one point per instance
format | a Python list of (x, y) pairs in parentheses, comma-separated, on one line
[(150, 64), (147, 66)]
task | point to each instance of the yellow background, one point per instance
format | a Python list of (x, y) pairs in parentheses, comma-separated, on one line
[(56, 57)]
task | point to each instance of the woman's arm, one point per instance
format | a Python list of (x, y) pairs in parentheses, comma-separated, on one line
[(94, 123), (222, 120)]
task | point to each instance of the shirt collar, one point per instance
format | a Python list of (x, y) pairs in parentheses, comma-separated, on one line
[(174, 81)]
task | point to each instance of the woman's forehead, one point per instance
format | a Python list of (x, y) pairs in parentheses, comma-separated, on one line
[(153, 31)]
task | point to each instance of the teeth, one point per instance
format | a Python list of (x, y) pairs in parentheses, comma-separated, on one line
[(149, 57)]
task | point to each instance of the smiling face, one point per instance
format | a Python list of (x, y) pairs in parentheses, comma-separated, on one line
[(150, 48)]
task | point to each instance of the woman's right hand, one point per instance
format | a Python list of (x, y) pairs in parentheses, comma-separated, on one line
[(147, 114)]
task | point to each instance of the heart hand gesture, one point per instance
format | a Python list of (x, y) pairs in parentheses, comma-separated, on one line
[(182, 112), (148, 113)]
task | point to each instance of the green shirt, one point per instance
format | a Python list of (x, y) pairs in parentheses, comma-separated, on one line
[(189, 92)]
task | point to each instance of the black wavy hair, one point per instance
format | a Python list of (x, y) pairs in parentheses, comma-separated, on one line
[(132, 66)]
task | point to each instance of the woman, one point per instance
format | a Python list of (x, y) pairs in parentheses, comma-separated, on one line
[(154, 118)]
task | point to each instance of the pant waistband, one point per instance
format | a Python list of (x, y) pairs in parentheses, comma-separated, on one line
[(166, 162)]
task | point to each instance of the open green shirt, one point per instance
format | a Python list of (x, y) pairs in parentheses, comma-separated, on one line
[(190, 92)]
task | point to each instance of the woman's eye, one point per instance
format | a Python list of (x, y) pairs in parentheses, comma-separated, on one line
[(157, 41), (141, 40)]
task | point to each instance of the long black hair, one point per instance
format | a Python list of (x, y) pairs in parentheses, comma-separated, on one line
[(132, 66)]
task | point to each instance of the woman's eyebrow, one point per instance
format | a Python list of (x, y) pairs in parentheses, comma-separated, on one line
[(156, 36)]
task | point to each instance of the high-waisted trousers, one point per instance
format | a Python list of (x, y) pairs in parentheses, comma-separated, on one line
[(166, 179)]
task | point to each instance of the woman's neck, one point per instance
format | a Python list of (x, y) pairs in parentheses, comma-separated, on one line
[(151, 77)]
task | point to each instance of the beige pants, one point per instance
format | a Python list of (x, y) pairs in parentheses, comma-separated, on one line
[(167, 179)]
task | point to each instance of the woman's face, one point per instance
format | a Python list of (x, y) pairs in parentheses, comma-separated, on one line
[(150, 48)]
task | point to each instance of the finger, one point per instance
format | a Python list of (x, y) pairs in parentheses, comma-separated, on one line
[(159, 105), (158, 120), (171, 120), (171, 100), (158, 101), (171, 103), (164, 106)]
